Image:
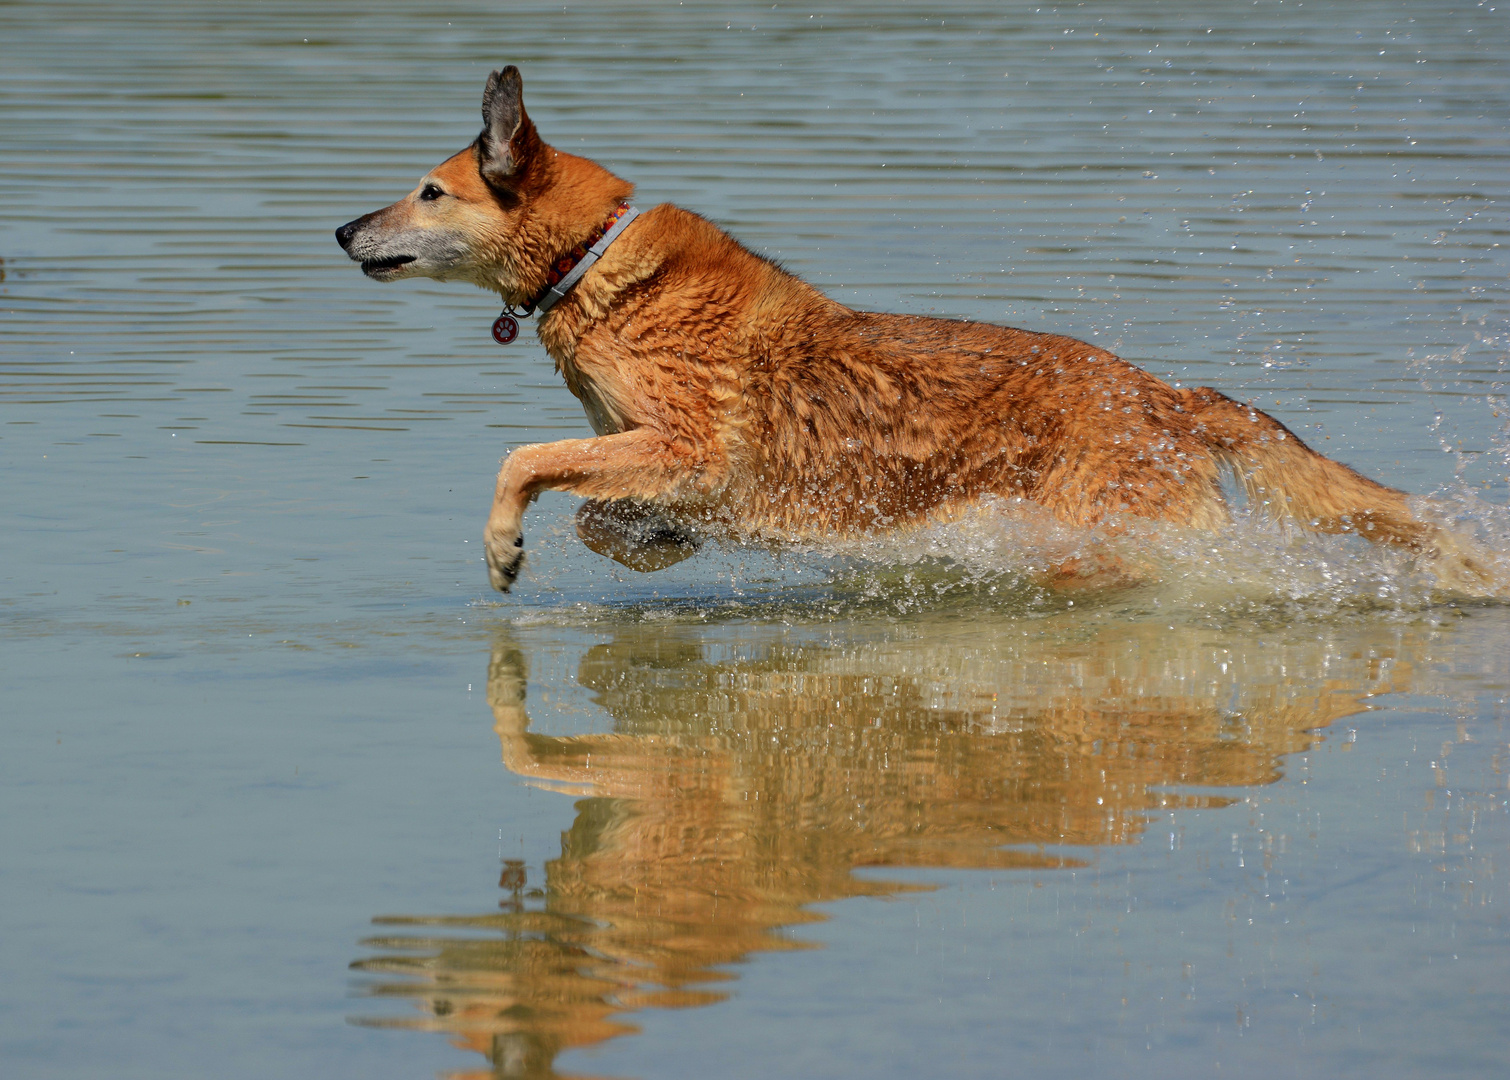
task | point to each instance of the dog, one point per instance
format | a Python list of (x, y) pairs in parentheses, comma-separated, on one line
[(728, 395)]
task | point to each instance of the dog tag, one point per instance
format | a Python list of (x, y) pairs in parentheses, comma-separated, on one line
[(505, 329)]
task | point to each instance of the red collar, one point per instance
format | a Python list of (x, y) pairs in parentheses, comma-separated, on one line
[(565, 264)]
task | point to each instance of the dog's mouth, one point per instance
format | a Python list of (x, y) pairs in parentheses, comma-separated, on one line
[(382, 267)]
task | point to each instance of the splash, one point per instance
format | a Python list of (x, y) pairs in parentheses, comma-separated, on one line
[(1011, 557)]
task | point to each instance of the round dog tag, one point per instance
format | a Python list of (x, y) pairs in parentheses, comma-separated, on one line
[(505, 329)]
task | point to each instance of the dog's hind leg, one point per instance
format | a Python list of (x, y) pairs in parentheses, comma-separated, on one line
[(640, 464), (1294, 482), (1093, 572)]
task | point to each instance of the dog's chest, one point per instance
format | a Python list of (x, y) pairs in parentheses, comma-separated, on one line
[(603, 410)]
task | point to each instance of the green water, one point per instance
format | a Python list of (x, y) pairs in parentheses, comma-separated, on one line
[(287, 791)]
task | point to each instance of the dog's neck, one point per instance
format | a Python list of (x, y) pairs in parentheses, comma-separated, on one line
[(568, 269)]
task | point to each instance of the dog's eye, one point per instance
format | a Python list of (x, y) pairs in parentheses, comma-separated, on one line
[(431, 193)]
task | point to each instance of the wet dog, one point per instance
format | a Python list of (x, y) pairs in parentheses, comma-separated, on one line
[(729, 396)]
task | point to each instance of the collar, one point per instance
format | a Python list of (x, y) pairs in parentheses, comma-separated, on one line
[(567, 270)]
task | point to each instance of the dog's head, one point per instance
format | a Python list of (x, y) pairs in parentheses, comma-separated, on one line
[(496, 214)]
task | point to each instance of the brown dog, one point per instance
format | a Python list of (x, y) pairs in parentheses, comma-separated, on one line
[(729, 395)]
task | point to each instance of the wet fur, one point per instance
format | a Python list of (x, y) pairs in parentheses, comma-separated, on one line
[(729, 395)]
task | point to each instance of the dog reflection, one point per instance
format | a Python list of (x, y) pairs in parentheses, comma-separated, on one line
[(743, 783)]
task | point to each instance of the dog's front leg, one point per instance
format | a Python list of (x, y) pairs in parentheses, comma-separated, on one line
[(639, 464), (633, 534)]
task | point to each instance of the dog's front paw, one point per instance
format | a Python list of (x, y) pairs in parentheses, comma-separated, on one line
[(504, 549)]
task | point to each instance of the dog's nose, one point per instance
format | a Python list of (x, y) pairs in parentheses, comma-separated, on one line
[(345, 233)]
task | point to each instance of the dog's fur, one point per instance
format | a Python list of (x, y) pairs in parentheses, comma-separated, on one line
[(728, 394)]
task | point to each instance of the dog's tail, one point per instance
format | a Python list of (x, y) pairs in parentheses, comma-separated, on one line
[(1294, 483)]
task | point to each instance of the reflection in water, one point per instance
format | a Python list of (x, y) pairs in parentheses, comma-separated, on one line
[(747, 777)]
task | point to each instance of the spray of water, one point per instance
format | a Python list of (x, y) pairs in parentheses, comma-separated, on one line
[(1012, 557)]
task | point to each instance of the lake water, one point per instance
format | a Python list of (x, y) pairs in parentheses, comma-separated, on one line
[(288, 792)]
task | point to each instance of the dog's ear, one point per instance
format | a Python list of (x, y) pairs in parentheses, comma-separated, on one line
[(508, 139)]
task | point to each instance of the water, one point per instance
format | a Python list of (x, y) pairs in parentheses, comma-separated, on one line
[(288, 792)]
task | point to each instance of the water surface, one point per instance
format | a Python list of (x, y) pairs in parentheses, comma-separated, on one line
[(291, 793)]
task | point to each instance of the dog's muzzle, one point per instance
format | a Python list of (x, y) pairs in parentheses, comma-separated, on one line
[(348, 232), (347, 235)]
